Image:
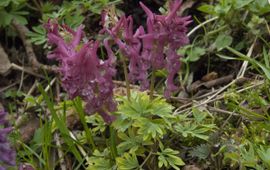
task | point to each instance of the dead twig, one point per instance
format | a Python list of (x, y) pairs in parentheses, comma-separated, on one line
[(60, 152), (222, 111), (26, 70), (218, 81), (214, 97), (22, 31), (245, 63)]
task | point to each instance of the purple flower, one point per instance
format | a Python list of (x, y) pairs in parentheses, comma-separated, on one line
[(7, 154), (165, 35), (156, 48), (82, 72)]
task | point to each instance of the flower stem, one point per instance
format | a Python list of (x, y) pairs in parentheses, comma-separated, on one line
[(152, 84), (126, 75)]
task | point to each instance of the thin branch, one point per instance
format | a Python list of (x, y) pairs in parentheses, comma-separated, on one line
[(23, 30), (60, 152), (210, 100), (201, 25), (26, 70), (245, 63)]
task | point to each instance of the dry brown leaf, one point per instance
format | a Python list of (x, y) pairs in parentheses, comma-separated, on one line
[(210, 76)]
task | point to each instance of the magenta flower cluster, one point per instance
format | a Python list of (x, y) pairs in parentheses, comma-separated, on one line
[(155, 48), (7, 154), (82, 72)]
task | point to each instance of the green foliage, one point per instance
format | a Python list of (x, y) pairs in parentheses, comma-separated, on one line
[(168, 157), (60, 124), (127, 162), (99, 161), (132, 143), (38, 35), (146, 133), (201, 151), (151, 118), (197, 127), (12, 10), (264, 154), (193, 53), (223, 41)]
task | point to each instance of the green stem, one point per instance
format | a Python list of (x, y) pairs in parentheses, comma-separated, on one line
[(113, 142), (89, 135), (217, 30), (152, 84), (126, 75), (186, 74)]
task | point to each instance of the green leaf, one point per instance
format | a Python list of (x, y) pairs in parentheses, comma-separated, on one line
[(141, 108), (193, 53), (167, 158), (248, 156), (5, 18), (99, 161), (127, 162), (21, 19), (209, 9), (131, 142), (242, 3), (198, 115), (223, 41), (60, 123), (266, 58), (223, 9), (99, 164), (259, 7), (193, 130), (201, 151), (4, 3), (264, 154), (150, 128)]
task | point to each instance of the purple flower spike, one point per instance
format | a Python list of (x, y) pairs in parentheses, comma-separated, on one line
[(83, 73), (7, 154), (166, 34), (153, 49)]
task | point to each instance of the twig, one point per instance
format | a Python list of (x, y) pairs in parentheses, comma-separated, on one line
[(221, 111), (79, 147), (200, 25), (33, 87), (50, 85), (25, 69), (60, 152), (11, 85), (245, 63), (179, 111), (21, 82), (207, 100), (146, 159), (23, 30), (267, 26)]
